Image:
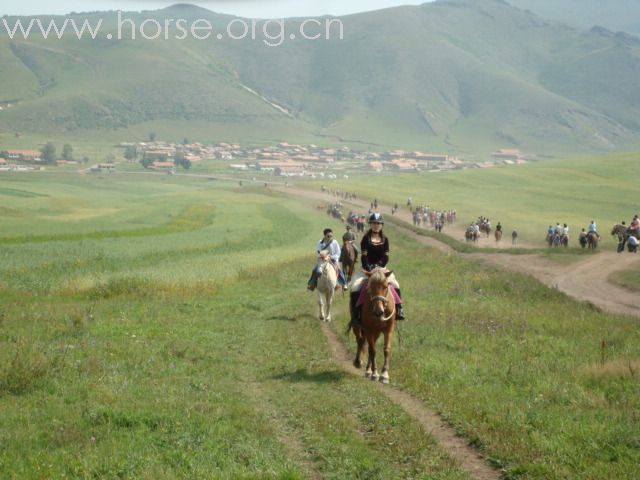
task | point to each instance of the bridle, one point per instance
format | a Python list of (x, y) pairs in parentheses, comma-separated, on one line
[(385, 301)]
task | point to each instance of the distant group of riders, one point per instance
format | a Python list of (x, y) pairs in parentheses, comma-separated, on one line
[(339, 193), (558, 236), (628, 236), (425, 215)]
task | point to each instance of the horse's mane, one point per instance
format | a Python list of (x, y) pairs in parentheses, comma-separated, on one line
[(377, 277)]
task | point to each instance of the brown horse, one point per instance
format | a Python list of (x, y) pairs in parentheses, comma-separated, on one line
[(592, 240), (471, 235), (378, 317), (498, 235), (348, 258)]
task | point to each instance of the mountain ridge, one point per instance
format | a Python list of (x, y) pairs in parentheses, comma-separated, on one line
[(453, 75)]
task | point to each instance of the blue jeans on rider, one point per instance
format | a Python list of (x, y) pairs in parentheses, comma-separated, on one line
[(316, 272)]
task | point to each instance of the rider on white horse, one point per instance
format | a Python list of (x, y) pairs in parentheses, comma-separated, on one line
[(327, 242)]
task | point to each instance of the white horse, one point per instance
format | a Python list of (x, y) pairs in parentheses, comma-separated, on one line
[(326, 286)]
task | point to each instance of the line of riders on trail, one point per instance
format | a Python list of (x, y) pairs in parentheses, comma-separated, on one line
[(483, 225)]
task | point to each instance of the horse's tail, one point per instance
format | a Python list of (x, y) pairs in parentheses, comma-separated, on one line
[(349, 327)]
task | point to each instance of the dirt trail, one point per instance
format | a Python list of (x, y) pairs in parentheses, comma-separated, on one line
[(456, 447), (584, 281)]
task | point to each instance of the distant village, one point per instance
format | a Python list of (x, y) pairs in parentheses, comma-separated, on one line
[(283, 159)]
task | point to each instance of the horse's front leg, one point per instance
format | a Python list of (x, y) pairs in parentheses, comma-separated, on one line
[(320, 306), (384, 376), (327, 307), (371, 363)]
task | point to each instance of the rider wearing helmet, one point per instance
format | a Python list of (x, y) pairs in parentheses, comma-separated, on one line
[(374, 252)]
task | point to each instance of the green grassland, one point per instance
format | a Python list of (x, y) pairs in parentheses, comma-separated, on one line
[(159, 327), (527, 198)]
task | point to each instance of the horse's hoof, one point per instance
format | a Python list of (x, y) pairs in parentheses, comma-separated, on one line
[(367, 374), (384, 379), (375, 377), (357, 364)]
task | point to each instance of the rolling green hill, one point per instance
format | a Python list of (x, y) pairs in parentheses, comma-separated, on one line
[(457, 75)]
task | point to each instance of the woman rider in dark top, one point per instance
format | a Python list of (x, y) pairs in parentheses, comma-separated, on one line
[(374, 252)]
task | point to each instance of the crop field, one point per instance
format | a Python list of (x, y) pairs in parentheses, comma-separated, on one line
[(156, 326)]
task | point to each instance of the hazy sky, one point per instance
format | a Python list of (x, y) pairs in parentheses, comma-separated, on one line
[(244, 8)]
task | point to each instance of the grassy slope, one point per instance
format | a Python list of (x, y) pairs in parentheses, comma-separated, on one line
[(177, 354)]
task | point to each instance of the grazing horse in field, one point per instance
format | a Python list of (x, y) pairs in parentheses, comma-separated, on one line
[(348, 258), (326, 286), (378, 317), (592, 240)]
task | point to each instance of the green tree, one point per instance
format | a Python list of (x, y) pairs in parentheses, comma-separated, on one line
[(67, 152), (181, 160), (48, 152), (146, 161), (131, 153)]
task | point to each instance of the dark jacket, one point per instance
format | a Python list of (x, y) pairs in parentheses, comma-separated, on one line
[(374, 254)]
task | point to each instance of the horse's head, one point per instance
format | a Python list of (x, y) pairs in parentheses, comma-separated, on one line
[(327, 273), (382, 303)]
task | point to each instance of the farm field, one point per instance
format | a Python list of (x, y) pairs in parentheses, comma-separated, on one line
[(158, 327), (527, 198)]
